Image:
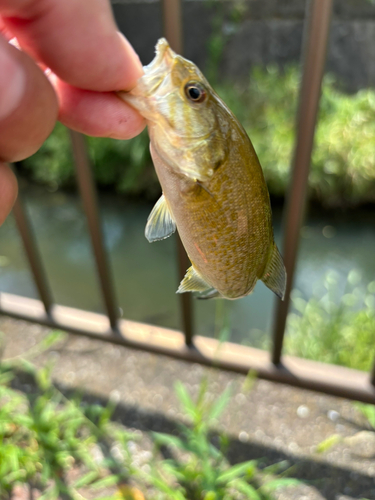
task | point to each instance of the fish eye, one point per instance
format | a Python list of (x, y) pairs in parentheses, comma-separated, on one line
[(195, 92)]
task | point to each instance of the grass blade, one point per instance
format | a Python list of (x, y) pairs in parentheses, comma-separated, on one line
[(328, 443), (86, 479), (185, 399), (282, 483), (246, 468), (218, 407), (246, 489)]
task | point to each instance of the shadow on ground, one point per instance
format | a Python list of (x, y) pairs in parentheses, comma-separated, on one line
[(331, 481)]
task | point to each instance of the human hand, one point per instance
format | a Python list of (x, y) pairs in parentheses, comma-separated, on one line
[(87, 60)]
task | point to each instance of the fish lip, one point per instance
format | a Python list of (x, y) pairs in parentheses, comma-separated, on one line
[(158, 69), (164, 54), (154, 75)]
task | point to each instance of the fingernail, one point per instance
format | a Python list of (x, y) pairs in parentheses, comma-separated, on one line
[(12, 81)]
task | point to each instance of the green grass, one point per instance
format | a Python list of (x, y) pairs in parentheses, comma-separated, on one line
[(336, 325), (343, 163), (44, 436), (198, 470)]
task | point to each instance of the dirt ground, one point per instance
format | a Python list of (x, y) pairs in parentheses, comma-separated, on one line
[(272, 422)]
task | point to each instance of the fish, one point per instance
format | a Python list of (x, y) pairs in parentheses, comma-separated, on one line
[(213, 189)]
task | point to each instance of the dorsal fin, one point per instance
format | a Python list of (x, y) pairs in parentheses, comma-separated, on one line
[(160, 223), (275, 275), (193, 282)]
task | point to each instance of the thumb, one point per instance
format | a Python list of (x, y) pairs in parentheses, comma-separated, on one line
[(28, 104)]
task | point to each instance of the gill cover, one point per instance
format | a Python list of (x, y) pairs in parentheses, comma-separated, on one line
[(185, 122)]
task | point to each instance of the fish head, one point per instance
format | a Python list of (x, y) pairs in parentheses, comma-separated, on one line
[(187, 121)]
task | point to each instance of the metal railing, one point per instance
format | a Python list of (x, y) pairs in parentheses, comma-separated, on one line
[(185, 345)]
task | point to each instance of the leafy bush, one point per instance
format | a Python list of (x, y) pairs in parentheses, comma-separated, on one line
[(343, 160), (343, 163), (122, 165), (266, 107), (333, 327)]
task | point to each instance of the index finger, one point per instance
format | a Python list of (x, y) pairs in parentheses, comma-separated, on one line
[(77, 39)]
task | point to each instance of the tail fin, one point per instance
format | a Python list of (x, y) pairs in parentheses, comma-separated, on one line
[(274, 276)]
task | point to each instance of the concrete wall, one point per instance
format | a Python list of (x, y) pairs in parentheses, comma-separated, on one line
[(266, 31)]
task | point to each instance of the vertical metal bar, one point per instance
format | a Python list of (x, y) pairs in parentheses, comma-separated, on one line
[(32, 254), (172, 28), (185, 298), (372, 375), (172, 23), (317, 25), (90, 205)]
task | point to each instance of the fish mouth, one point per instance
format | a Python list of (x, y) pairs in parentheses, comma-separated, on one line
[(162, 61), (155, 74), (158, 69)]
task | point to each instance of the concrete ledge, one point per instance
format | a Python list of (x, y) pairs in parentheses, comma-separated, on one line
[(329, 379)]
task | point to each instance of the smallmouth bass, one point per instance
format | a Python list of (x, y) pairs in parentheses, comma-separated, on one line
[(214, 191)]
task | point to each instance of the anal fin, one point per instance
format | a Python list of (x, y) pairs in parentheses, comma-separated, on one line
[(193, 282), (274, 276), (160, 223), (212, 294)]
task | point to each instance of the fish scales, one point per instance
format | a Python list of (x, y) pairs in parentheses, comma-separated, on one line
[(215, 235), (213, 185)]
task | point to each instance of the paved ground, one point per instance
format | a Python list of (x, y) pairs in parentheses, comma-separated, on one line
[(272, 421)]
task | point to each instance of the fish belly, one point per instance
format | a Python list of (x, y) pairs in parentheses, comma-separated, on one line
[(224, 224)]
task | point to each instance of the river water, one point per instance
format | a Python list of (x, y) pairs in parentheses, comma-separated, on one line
[(145, 275)]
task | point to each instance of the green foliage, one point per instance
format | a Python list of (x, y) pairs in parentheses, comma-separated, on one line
[(201, 470), (368, 411), (216, 43), (332, 326), (266, 107), (231, 13), (343, 163), (123, 165), (53, 164), (44, 435), (126, 165), (344, 160), (327, 444)]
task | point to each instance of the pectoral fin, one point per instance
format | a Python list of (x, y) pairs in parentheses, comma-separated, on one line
[(275, 274), (193, 282), (160, 223)]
